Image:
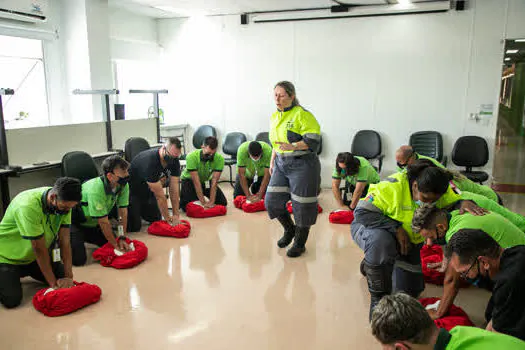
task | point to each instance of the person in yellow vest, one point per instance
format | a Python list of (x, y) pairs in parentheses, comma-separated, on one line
[(405, 156), (295, 168), (382, 228), (400, 322)]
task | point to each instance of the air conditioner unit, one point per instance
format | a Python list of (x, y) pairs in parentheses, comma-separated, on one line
[(32, 11)]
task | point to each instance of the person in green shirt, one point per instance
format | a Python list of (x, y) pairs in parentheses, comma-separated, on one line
[(358, 174), (36, 225), (438, 226), (400, 322), (200, 178), (406, 156), (253, 170), (99, 197)]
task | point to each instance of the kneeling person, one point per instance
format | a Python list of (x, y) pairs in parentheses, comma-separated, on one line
[(99, 196), (35, 224), (253, 167), (475, 254), (202, 167), (401, 322)]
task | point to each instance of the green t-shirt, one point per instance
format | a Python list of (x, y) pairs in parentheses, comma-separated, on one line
[(194, 162), (472, 338), (98, 199), (252, 168), (28, 218), (502, 230), (420, 156), (470, 186), (517, 219), (367, 173)]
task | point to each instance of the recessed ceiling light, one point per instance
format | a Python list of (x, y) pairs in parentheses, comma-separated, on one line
[(512, 51), (507, 58), (404, 2), (519, 41)]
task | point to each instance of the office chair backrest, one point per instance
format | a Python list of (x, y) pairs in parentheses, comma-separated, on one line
[(428, 143), (263, 136), (134, 146), (231, 143), (367, 144), (201, 133), (470, 151), (79, 165)]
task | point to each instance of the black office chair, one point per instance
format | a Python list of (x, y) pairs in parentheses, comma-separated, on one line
[(201, 133), (320, 147), (134, 146), (430, 144), (263, 136), (367, 144), (231, 144), (79, 165), (471, 151)]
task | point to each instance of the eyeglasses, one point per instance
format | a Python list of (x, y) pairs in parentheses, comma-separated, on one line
[(464, 275)]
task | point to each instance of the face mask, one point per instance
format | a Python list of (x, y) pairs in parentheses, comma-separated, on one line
[(420, 203), (207, 157), (440, 241), (54, 210), (402, 166), (474, 281), (123, 180), (255, 160)]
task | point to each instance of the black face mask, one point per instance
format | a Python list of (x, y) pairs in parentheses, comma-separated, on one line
[(440, 241), (402, 166), (54, 210), (123, 180), (169, 159), (207, 157)]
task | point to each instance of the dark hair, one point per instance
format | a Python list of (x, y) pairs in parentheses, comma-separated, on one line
[(173, 141), (255, 149), (427, 163), (67, 189), (468, 244), (352, 163), (211, 141), (430, 179), (290, 90), (425, 217), (400, 317), (112, 162)]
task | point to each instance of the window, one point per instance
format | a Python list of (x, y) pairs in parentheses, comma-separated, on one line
[(136, 75), (22, 69)]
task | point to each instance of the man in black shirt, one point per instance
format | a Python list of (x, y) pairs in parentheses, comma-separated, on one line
[(150, 171), (474, 254)]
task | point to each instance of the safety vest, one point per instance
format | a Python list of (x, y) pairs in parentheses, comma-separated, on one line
[(394, 198)]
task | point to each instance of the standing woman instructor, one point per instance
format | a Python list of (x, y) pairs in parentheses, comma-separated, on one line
[(295, 169)]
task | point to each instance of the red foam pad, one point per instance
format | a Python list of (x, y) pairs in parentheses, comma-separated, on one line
[(290, 209), (454, 317), (64, 301), (107, 257), (241, 203), (163, 228), (197, 211), (432, 254), (344, 217)]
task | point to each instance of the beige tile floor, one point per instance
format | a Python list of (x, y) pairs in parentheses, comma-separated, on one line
[(226, 287)]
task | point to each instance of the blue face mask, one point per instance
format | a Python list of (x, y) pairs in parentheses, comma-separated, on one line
[(420, 203), (474, 281)]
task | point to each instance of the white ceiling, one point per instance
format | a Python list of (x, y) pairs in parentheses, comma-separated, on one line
[(216, 7)]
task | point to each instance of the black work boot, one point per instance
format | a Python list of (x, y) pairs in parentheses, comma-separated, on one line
[(379, 278), (289, 230), (301, 235)]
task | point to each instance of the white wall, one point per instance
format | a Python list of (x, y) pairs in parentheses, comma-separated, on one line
[(133, 37), (396, 75)]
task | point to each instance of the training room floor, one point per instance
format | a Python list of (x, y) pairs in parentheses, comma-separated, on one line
[(227, 286)]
